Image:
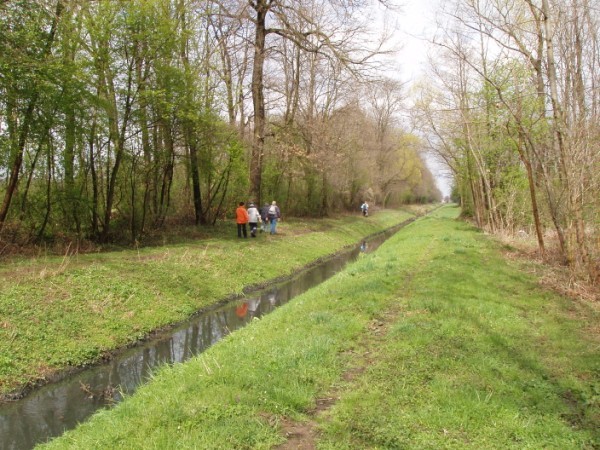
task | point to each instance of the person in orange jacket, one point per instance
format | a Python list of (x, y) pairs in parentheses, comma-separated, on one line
[(241, 218)]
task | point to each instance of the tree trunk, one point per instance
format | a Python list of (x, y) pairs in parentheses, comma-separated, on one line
[(557, 125), (71, 201), (167, 171), (534, 205), (117, 137), (48, 189), (199, 217), (189, 128), (258, 101), (95, 195)]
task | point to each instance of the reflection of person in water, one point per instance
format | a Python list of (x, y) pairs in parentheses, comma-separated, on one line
[(253, 304), (241, 310)]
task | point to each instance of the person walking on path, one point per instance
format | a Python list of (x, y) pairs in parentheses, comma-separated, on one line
[(253, 219), (274, 215), (365, 208), (241, 218), (264, 215)]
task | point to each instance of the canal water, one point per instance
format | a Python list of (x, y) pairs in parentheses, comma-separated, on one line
[(52, 409)]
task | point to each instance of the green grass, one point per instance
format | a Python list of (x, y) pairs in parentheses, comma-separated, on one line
[(477, 357), (434, 341), (58, 312)]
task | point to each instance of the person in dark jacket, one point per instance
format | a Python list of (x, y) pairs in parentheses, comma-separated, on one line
[(264, 216)]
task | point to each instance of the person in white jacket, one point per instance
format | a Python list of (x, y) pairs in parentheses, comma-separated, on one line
[(253, 219)]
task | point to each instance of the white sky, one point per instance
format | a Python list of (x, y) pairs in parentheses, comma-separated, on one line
[(416, 23)]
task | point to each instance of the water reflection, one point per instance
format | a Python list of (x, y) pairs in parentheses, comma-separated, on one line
[(49, 411)]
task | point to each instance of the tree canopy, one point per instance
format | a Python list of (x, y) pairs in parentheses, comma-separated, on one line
[(117, 117)]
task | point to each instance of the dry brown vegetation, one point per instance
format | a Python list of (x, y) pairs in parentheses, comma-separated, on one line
[(549, 269)]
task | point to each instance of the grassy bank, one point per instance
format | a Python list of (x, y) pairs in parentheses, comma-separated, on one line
[(57, 312), (434, 341)]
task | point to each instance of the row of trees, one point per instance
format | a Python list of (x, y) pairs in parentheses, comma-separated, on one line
[(516, 116), (117, 116)]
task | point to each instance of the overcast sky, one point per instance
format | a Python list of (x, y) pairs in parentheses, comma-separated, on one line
[(416, 23)]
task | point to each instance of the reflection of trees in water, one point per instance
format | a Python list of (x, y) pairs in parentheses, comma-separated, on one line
[(48, 412), (214, 326)]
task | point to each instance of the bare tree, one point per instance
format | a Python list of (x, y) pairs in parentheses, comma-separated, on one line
[(550, 128), (331, 29)]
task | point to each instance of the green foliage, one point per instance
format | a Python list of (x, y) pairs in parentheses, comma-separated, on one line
[(109, 63), (119, 119), (455, 194)]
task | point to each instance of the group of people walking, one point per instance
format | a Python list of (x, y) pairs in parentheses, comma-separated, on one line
[(266, 217), (252, 217)]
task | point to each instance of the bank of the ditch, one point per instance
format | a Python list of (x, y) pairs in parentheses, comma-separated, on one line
[(57, 313), (433, 341)]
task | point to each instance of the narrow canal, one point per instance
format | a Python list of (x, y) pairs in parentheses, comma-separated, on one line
[(52, 409)]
